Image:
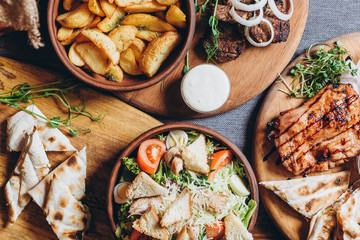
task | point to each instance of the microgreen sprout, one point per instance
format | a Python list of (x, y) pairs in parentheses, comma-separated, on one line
[(24, 93), (318, 70)]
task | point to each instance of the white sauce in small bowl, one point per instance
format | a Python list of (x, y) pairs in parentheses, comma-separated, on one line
[(205, 88)]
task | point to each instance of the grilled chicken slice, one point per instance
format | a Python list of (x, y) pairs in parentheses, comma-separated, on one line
[(322, 133), (212, 201), (160, 204), (174, 160)]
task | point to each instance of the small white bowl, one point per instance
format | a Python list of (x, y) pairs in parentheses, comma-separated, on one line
[(205, 88)]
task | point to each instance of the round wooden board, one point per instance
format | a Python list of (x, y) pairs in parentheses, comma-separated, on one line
[(293, 225), (250, 74)]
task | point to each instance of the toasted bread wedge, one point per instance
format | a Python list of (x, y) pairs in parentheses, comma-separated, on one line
[(179, 211), (195, 155), (148, 224), (144, 186), (235, 229)]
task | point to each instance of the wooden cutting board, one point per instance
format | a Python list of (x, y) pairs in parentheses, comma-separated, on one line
[(122, 123), (250, 74), (291, 223)]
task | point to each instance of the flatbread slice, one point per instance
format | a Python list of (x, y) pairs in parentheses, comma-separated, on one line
[(324, 223), (309, 195), (348, 217), (67, 216), (72, 172), (32, 166), (23, 123)]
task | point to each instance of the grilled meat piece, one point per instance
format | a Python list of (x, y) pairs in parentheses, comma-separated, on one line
[(231, 42), (261, 32), (322, 133)]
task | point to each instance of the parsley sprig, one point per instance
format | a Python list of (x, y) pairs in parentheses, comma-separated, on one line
[(318, 70), (24, 93)]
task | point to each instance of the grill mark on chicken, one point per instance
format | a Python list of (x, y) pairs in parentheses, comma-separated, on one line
[(323, 153), (322, 157), (307, 106), (322, 132), (320, 124)]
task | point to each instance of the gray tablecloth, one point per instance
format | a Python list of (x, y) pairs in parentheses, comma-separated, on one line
[(326, 19)]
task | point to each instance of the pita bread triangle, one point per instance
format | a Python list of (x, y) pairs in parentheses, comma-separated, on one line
[(32, 166), (324, 223), (67, 216), (348, 217), (23, 122), (309, 195), (72, 172)]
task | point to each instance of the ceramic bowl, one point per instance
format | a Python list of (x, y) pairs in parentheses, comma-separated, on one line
[(114, 178), (129, 83)]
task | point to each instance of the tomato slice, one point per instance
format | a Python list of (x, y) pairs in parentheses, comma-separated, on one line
[(219, 160), (135, 235), (216, 231), (149, 155)]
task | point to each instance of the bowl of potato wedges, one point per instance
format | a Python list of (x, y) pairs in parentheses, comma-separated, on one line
[(121, 45)]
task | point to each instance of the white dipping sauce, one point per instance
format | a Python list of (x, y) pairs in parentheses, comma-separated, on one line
[(205, 88)]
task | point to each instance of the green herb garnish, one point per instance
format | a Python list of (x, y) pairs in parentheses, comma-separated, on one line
[(186, 67), (318, 70), (24, 93)]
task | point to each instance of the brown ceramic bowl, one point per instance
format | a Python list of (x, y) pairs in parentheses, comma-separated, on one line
[(114, 178), (129, 82)]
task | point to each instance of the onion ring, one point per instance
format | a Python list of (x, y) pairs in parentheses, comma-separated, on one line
[(248, 7), (263, 44), (249, 23), (278, 13)]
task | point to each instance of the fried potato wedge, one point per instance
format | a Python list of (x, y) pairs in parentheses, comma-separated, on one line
[(108, 8), (115, 73), (93, 57), (88, 21), (103, 42), (152, 6), (74, 56), (138, 46), (147, 21), (125, 3), (108, 24), (95, 8), (82, 39), (176, 17), (64, 33), (128, 62), (167, 2), (157, 51), (72, 38), (147, 35), (67, 4), (76, 17), (123, 36), (94, 22)]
